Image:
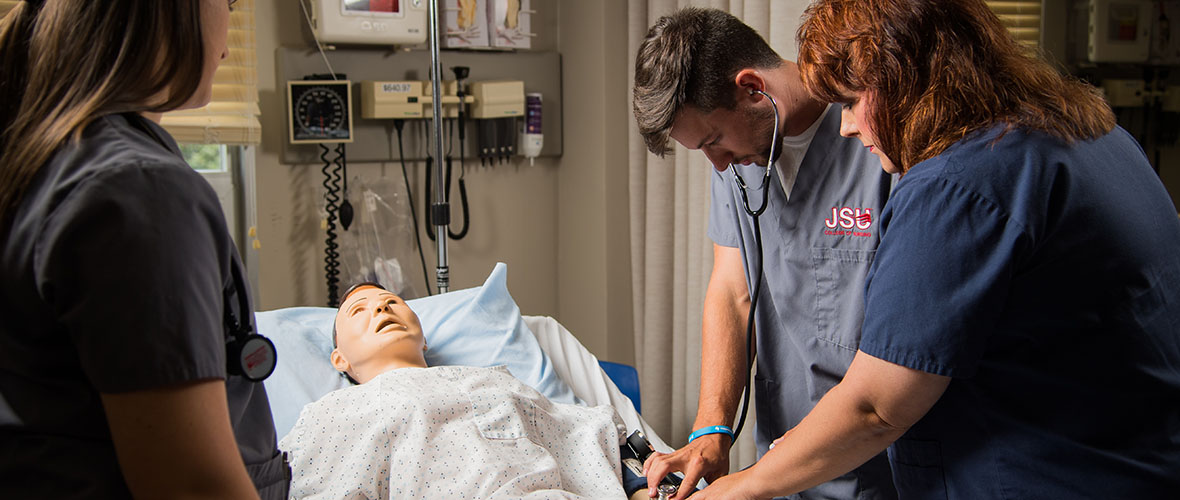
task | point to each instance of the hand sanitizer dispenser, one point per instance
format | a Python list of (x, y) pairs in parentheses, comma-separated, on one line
[(531, 140)]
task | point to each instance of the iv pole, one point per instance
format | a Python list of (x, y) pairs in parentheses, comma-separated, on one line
[(440, 210)]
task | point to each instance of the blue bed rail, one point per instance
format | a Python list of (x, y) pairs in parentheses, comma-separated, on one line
[(626, 377)]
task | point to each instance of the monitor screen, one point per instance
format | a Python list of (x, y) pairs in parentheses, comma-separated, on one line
[(383, 6)]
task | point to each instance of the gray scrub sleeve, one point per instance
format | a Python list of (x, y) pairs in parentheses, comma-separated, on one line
[(131, 264), (724, 228)]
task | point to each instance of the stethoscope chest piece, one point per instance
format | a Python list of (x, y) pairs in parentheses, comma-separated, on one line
[(247, 354), (252, 356)]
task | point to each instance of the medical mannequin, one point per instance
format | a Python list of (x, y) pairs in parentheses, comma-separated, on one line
[(374, 332), (1020, 335), (709, 82), (118, 267), (492, 435)]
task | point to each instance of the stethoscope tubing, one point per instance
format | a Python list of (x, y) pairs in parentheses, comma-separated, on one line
[(769, 166), (755, 213)]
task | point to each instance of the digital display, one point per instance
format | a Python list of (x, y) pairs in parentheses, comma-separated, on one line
[(382, 6)]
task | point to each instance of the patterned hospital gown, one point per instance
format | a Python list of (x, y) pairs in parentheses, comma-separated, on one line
[(452, 433)]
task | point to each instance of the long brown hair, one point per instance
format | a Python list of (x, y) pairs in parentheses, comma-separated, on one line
[(938, 71), (68, 62)]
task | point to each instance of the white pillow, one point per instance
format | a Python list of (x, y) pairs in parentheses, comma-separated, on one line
[(478, 326)]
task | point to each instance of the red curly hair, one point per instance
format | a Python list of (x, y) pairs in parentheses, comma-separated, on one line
[(938, 71)]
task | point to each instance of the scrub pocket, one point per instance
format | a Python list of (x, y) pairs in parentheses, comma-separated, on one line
[(917, 468), (769, 415), (839, 293), (272, 477)]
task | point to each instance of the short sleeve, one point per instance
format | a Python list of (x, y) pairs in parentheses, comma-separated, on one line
[(132, 264), (940, 277), (724, 227)]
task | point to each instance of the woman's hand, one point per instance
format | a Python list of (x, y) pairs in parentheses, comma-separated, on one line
[(737, 486)]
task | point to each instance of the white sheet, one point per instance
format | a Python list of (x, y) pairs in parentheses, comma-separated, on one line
[(580, 370), (452, 432)]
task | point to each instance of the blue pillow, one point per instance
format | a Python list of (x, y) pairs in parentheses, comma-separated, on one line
[(474, 327)]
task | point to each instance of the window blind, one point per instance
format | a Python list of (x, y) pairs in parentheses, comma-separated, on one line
[(1021, 17), (232, 116)]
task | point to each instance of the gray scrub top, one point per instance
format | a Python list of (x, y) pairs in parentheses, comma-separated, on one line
[(116, 266), (817, 248)]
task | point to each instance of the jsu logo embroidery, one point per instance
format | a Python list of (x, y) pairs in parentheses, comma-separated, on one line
[(845, 219)]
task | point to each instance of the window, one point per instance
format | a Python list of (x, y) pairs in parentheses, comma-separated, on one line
[(205, 157), (1022, 18), (213, 162)]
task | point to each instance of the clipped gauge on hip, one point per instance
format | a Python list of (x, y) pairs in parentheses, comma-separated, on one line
[(319, 111)]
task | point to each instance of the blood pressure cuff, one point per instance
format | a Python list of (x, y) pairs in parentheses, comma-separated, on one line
[(632, 481), (633, 478)]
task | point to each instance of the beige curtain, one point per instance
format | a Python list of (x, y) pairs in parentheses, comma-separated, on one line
[(671, 253)]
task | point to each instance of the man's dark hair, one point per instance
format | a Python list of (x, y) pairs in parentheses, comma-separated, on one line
[(690, 58)]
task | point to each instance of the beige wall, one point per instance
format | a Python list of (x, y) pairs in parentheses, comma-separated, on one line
[(594, 269), (560, 225)]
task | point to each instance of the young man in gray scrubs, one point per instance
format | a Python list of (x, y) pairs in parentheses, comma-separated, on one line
[(706, 80)]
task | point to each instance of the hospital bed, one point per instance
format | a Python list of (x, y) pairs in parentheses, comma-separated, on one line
[(479, 326)]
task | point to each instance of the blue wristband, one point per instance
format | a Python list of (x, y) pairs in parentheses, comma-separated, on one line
[(712, 429)]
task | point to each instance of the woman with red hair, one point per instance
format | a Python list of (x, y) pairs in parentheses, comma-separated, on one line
[(1021, 315)]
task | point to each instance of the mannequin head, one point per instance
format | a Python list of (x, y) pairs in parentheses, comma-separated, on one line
[(374, 332)]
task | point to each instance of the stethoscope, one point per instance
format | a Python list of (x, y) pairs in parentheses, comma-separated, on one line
[(758, 243), (247, 353)]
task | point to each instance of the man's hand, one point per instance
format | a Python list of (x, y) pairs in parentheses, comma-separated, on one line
[(706, 457)]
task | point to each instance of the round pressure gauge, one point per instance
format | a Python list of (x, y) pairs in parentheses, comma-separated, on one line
[(320, 111)]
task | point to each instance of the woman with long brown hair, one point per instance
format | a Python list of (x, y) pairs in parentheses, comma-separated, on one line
[(118, 269), (1021, 314)]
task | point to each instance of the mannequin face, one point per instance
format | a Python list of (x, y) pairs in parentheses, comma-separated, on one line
[(376, 332)]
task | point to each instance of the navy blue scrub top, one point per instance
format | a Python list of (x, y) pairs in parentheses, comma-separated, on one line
[(1045, 279), (115, 267)]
